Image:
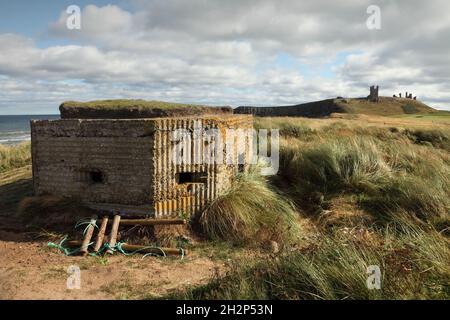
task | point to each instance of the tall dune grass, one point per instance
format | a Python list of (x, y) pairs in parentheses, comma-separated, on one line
[(400, 177), (15, 156), (354, 164), (387, 175), (250, 212), (289, 127), (414, 263)]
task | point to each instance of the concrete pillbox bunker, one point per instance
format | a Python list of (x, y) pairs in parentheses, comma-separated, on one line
[(127, 164)]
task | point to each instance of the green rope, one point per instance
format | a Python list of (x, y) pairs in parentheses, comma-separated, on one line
[(60, 246), (182, 253), (106, 246), (88, 223), (121, 250)]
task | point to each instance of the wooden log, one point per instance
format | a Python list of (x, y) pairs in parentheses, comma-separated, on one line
[(113, 234), (142, 249), (101, 234), (154, 250), (88, 236), (151, 222)]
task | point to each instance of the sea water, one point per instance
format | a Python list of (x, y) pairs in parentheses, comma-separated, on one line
[(15, 129)]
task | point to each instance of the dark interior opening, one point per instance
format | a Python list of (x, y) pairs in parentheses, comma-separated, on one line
[(96, 177), (191, 177)]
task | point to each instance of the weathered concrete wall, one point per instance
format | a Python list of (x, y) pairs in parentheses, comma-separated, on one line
[(172, 196), (98, 161), (127, 163)]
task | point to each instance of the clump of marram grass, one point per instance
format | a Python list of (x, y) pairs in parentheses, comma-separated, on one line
[(14, 156), (434, 137), (387, 176), (288, 127), (250, 212), (347, 164), (414, 263), (420, 182), (420, 197), (295, 130)]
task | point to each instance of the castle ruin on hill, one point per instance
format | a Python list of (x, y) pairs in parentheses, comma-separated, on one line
[(373, 96)]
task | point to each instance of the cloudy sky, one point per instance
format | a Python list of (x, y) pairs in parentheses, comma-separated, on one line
[(220, 52)]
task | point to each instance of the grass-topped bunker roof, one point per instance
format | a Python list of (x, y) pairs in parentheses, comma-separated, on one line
[(124, 109)]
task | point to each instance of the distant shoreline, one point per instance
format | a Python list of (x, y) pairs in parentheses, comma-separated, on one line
[(15, 129)]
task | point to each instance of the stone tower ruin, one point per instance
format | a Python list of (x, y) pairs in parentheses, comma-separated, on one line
[(373, 96)]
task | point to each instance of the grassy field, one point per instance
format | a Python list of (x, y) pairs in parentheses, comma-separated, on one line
[(12, 157), (350, 193), (365, 194), (385, 106), (438, 115), (15, 175)]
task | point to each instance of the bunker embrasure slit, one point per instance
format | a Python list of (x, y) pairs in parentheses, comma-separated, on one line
[(96, 177), (191, 177)]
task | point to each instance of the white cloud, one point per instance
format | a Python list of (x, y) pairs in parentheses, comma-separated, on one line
[(97, 22), (225, 52)]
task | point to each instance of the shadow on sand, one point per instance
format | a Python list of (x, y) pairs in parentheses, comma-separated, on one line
[(13, 188)]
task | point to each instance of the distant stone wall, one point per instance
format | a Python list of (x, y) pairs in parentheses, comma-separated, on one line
[(312, 110)]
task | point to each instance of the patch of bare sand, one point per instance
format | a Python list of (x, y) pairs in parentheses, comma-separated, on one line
[(30, 270)]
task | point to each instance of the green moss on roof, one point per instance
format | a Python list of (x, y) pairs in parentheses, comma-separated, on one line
[(134, 109), (123, 103)]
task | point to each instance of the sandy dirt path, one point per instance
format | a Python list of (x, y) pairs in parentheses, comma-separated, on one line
[(29, 269)]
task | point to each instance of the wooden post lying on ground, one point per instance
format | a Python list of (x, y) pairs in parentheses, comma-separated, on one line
[(142, 249), (101, 234), (154, 250), (151, 222), (88, 236), (113, 234)]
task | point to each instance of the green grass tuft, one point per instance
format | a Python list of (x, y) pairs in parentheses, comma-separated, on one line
[(15, 156), (251, 212)]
